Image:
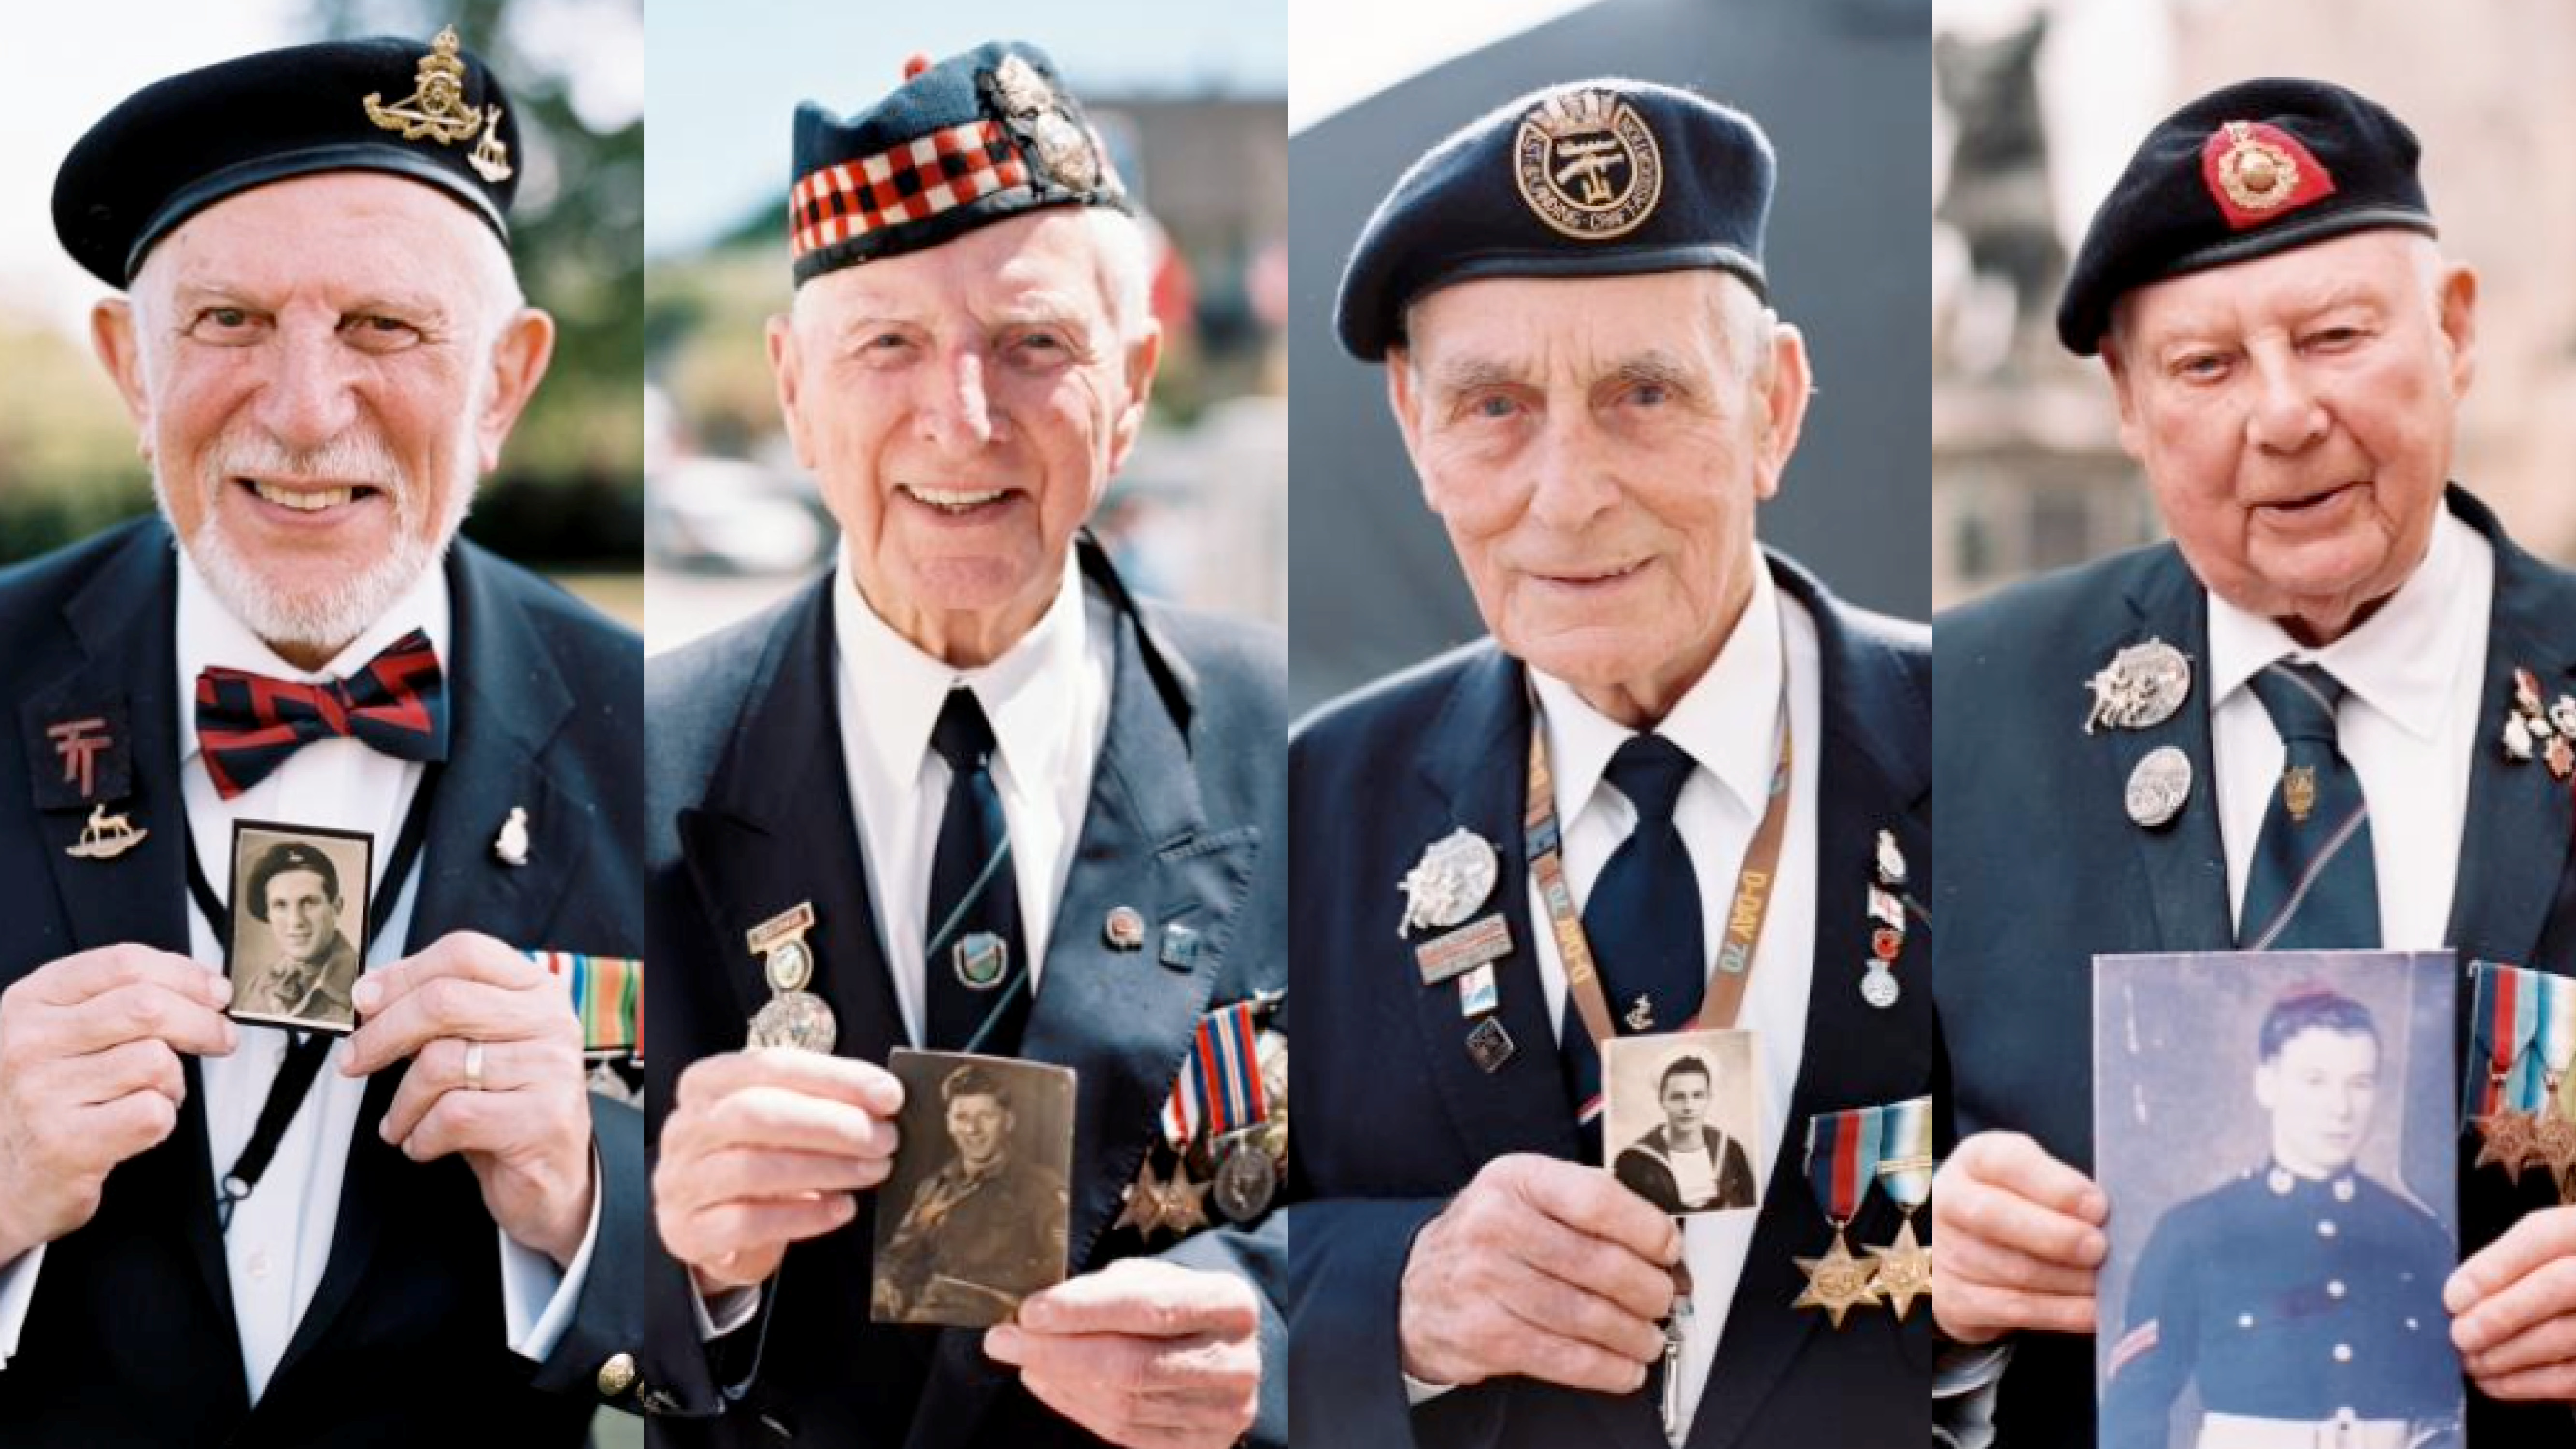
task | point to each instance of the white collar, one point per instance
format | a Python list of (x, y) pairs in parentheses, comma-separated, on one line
[(905, 687), (2404, 661), (1728, 722), (209, 636)]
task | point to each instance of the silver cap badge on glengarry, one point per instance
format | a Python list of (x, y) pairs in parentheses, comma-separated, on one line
[(1451, 880), (2140, 688)]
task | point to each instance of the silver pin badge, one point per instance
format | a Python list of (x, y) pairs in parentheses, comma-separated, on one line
[(2140, 688), (511, 845), (2159, 787), (105, 837), (1891, 862), (1878, 986), (1451, 880)]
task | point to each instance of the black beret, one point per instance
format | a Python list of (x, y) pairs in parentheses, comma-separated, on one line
[(277, 860), (978, 138), (2248, 170), (1592, 179), (180, 145)]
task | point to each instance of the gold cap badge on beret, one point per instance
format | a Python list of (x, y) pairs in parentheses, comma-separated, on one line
[(2256, 171), (436, 110), (1587, 164)]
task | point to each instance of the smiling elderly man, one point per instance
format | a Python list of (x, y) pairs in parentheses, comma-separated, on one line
[(1671, 732), (964, 793), (2302, 732), (212, 1233)]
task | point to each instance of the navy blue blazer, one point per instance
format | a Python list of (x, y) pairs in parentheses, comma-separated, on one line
[(1393, 1117), (130, 1339), (2044, 871), (750, 815)]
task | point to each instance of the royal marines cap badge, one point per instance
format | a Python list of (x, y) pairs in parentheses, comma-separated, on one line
[(1454, 876), (1587, 164), (2256, 172), (2140, 688), (793, 1016)]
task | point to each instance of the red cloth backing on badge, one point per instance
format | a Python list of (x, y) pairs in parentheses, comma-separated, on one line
[(2313, 183)]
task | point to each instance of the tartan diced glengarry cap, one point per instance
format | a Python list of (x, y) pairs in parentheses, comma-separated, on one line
[(427, 110), (975, 139), (2248, 170)]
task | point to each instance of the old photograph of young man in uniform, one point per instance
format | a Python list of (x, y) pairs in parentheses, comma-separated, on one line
[(302, 927), (2275, 1135), (982, 1180), (1681, 1115)]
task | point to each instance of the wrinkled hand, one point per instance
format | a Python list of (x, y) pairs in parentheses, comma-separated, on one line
[(1143, 1353), (2514, 1307), (90, 1076), (765, 1148), (1541, 1268), (2016, 1240), (526, 1133)]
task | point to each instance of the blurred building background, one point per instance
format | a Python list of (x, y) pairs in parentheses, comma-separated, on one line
[(1189, 98), (568, 497), (1838, 84), (2040, 103)]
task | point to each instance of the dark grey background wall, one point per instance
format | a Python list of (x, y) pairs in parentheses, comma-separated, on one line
[(1844, 89)]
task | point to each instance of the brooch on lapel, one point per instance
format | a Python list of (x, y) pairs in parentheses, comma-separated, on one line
[(1887, 923), (2531, 729), (2140, 688)]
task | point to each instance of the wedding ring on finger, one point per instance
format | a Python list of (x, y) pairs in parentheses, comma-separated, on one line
[(474, 1066)]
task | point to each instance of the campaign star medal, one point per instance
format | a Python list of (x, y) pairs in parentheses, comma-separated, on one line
[(1155, 1205), (2530, 728), (1587, 165), (2140, 688), (793, 1016), (2511, 1007), (1059, 145), (436, 110), (1902, 1271), (1224, 1092), (1454, 876), (1842, 1159)]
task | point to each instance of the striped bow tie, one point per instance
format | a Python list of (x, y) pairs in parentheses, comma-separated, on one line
[(248, 724)]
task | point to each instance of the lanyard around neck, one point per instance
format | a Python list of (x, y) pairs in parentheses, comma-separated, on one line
[(1732, 971)]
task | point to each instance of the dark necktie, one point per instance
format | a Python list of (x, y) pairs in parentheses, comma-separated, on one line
[(1643, 921), (249, 724), (2313, 885), (977, 977)]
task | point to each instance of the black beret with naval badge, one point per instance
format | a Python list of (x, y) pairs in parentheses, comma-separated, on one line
[(436, 115), (2250, 169), (1589, 179), (975, 139)]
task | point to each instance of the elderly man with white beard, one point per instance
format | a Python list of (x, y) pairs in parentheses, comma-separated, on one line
[(213, 1232)]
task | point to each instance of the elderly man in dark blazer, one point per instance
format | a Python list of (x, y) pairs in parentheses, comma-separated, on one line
[(2309, 727), (222, 1234), (965, 792), (1676, 734)]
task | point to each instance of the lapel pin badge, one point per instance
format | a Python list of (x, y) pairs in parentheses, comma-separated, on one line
[(511, 845)]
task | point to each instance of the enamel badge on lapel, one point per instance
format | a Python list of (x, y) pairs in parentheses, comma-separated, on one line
[(1444, 888), (2531, 729), (793, 1016), (2140, 688), (83, 757), (2159, 787), (1878, 985), (1124, 929), (511, 845)]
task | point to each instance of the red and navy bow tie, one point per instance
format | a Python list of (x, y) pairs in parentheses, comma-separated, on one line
[(248, 724)]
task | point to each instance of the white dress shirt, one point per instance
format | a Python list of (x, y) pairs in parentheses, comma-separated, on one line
[(280, 1239), (2408, 725), (1047, 698), (1728, 724)]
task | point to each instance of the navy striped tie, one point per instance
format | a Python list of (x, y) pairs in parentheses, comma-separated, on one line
[(2313, 885), (978, 1000), (1642, 920)]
